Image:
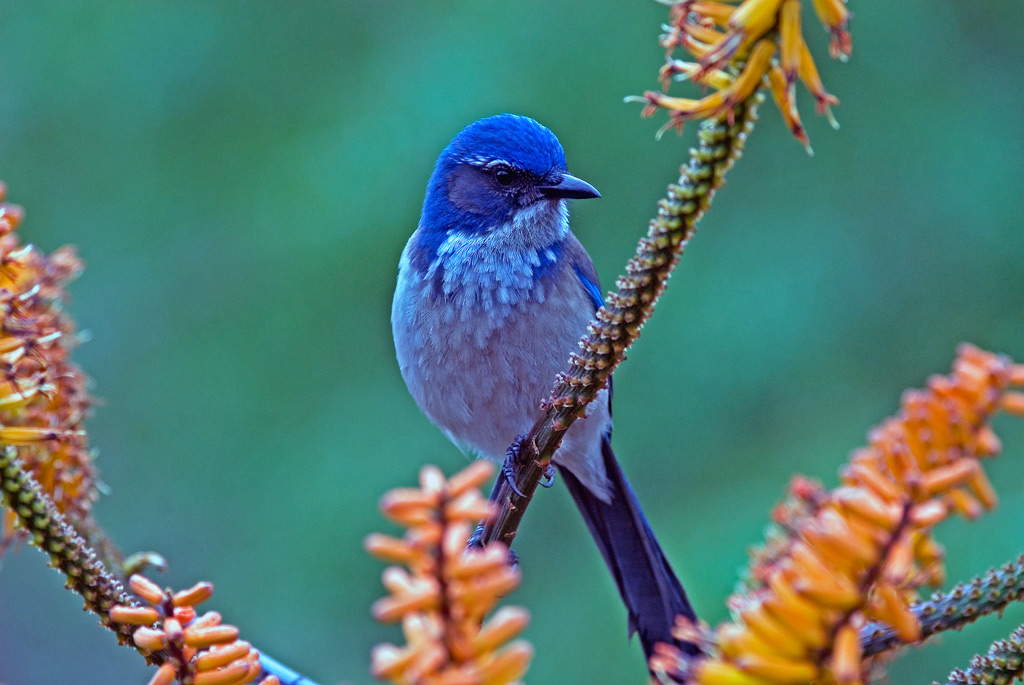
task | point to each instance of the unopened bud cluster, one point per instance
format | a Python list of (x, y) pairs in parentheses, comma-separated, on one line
[(194, 650), (837, 559), (43, 400), (737, 45), (444, 592)]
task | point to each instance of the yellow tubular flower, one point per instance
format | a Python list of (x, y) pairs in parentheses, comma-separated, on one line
[(704, 34), (735, 640), (755, 69), (783, 94), (754, 13), (791, 39), (687, 108), (784, 638), (777, 670), (791, 608), (834, 15), (680, 70), (722, 673), (718, 12), (725, 38)]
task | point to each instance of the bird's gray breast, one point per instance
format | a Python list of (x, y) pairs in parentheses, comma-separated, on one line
[(480, 336), (480, 352)]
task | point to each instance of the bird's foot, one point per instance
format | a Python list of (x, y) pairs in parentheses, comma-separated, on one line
[(476, 542), (508, 472), (508, 466), (549, 476)]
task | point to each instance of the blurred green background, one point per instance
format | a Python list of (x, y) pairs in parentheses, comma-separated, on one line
[(240, 178)]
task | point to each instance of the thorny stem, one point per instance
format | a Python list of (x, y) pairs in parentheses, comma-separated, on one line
[(617, 324), (50, 531), (964, 604), (108, 553)]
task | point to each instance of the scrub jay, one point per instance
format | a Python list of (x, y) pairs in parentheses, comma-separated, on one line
[(494, 291)]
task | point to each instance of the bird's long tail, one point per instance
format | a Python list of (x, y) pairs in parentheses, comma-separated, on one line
[(649, 588)]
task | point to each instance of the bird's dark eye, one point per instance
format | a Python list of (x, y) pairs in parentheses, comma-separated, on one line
[(503, 175)]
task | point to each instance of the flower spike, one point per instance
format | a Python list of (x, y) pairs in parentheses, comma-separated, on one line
[(445, 592), (837, 564), (43, 396)]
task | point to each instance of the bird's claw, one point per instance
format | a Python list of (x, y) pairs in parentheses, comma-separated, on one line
[(508, 467), (476, 540), (507, 470)]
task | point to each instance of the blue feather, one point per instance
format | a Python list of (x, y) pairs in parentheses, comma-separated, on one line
[(520, 141), (592, 290)]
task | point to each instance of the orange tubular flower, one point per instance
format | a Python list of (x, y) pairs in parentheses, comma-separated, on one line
[(198, 650), (445, 593)]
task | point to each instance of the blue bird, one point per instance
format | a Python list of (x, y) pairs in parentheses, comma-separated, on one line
[(494, 291)]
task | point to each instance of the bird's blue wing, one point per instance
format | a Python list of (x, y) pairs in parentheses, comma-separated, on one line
[(574, 253), (589, 282)]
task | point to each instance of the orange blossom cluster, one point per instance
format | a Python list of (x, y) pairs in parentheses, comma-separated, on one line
[(836, 559), (196, 650), (445, 591)]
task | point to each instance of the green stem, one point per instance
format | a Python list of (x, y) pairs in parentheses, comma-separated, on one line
[(952, 610), (617, 324)]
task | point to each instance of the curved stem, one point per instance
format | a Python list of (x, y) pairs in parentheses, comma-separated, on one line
[(617, 324)]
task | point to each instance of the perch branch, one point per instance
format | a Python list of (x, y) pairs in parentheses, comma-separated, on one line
[(617, 324)]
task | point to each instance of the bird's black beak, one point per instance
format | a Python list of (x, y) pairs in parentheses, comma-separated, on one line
[(569, 187)]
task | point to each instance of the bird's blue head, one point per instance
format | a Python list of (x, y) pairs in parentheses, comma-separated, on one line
[(494, 170)]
